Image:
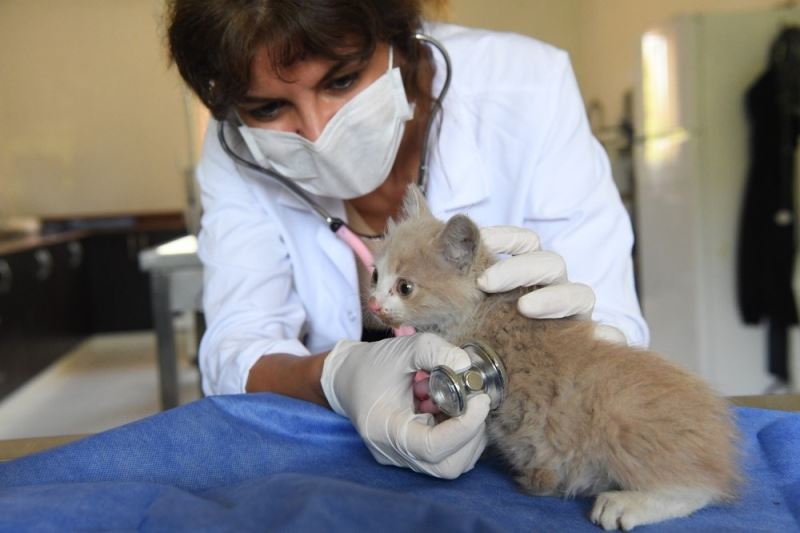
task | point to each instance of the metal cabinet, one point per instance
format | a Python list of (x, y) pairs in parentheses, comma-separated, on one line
[(41, 309), (13, 323), (118, 291), (54, 295)]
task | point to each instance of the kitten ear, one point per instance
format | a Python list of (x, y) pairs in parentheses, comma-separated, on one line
[(414, 203), (459, 241)]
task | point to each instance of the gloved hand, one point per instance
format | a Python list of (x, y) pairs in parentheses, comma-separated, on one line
[(530, 265), (371, 383)]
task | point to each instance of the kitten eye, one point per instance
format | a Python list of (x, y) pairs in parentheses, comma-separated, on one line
[(375, 276), (404, 287)]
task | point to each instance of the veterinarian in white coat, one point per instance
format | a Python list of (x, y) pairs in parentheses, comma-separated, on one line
[(513, 147)]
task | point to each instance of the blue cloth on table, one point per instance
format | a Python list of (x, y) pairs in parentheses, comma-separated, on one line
[(266, 462)]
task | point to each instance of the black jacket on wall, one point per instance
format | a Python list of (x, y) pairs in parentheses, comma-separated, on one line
[(767, 231)]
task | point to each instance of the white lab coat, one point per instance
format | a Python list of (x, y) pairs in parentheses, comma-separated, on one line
[(514, 148)]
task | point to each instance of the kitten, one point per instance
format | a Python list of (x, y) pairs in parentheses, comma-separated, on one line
[(581, 416)]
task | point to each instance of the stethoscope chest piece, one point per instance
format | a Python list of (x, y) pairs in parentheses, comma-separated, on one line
[(450, 390)]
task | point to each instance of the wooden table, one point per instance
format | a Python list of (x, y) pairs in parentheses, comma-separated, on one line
[(14, 448)]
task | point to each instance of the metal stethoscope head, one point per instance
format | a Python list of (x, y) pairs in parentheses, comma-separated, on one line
[(450, 390)]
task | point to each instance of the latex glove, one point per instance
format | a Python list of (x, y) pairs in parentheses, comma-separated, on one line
[(530, 265), (371, 383)]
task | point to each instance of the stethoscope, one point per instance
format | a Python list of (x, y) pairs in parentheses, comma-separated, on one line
[(449, 390), (336, 224)]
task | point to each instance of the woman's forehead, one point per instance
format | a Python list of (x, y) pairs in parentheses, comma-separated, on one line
[(285, 51), (264, 68), (276, 61)]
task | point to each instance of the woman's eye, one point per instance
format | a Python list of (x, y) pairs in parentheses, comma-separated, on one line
[(343, 83), (404, 287), (375, 277), (267, 111)]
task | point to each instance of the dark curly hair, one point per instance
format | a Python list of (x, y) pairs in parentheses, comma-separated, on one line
[(213, 42)]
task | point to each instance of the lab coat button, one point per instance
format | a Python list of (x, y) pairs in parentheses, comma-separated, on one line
[(352, 316)]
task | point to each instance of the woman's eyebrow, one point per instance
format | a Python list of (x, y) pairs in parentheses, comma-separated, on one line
[(339, 66)]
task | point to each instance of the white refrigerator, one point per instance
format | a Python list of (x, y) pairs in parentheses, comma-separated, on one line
[(691, 160)]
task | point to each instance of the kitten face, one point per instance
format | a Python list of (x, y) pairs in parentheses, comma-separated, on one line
[(417, 289), (425, 273), (394, 295)]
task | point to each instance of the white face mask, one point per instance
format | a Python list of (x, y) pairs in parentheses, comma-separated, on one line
[(355, 151)]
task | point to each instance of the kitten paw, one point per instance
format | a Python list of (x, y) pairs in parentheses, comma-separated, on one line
[(616, 510), (628, 509)]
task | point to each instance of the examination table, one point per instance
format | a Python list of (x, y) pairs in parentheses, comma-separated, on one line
[(263, 462)]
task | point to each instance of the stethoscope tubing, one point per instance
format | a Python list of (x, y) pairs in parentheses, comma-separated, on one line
[(336, 224), (422, 173)]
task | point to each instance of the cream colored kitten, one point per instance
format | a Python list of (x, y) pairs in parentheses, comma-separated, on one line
[(581, 416)]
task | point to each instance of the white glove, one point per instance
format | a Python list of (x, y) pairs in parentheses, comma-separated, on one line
[(529, 265), (371, 383)]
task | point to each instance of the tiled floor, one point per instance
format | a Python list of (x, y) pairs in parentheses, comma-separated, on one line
[(107, 381)]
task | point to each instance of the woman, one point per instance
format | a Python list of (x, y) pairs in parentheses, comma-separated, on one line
[(336, 95)]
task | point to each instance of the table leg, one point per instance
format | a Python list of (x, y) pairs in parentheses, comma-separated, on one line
[(165, 338), (199, 331)]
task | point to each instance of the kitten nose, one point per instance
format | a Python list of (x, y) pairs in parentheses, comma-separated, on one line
[(372, 305)]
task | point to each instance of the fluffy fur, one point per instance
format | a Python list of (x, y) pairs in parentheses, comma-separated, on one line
[(581, 416)]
